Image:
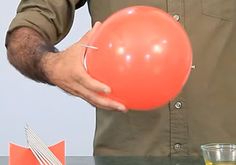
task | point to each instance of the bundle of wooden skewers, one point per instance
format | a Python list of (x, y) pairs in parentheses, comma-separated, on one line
[(39, 148)]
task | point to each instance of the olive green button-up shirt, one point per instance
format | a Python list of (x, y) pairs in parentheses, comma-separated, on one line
[(205, 110)]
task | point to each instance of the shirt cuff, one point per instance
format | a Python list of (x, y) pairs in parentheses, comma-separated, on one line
[(36, 21)]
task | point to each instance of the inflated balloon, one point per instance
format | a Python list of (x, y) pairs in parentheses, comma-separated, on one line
[(143, 54)]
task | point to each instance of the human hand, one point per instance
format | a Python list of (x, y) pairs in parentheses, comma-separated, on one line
[(66, 70)]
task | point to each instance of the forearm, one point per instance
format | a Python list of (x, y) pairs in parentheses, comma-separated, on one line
[(37, 59), (26, 50)]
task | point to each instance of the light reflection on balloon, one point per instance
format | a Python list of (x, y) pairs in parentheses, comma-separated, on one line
[(121, 50), (157, 49)]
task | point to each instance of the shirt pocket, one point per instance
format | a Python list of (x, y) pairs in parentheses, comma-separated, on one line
[(222, 9)]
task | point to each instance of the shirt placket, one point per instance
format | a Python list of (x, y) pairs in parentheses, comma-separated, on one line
[(178, 127), (176, 9), (177, 107)]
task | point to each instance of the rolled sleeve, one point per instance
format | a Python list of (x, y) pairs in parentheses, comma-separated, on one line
[(51, 18)]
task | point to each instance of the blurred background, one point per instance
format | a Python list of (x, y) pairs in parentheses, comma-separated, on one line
[(51, 113)]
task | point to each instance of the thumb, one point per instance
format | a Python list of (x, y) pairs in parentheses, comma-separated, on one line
[(86, 38), (80, 47)]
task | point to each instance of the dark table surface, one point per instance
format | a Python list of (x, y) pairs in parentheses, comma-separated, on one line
[(110, 160)]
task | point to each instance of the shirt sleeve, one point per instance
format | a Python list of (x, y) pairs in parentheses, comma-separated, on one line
[(51, 18)]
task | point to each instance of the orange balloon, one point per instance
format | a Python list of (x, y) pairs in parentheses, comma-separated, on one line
[(143, 54)]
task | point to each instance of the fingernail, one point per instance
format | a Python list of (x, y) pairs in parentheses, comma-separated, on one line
[(97, 23), (121, 108), (106, 90)]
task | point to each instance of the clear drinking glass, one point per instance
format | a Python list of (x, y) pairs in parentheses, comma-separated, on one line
[(219, 153)]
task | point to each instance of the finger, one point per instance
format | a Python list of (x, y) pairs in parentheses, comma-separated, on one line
[(96, 26), (87, 37), (109, 109), (95, 99), (85, 79), (84, 41), (90, 83), (105, 103)]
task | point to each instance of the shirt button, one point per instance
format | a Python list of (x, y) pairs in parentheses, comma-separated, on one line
[(178, 105), (176, 17), (177, 146)]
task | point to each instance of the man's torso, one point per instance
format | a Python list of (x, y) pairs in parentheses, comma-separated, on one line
[(204, 111)]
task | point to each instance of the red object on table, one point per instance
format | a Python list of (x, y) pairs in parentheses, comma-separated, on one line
[(23, 156)]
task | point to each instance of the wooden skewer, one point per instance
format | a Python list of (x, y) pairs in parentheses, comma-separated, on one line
[(193, 66), (37, 144), (38, 155), (42, 148), (41, 159), (37, 149), (88, 46)]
